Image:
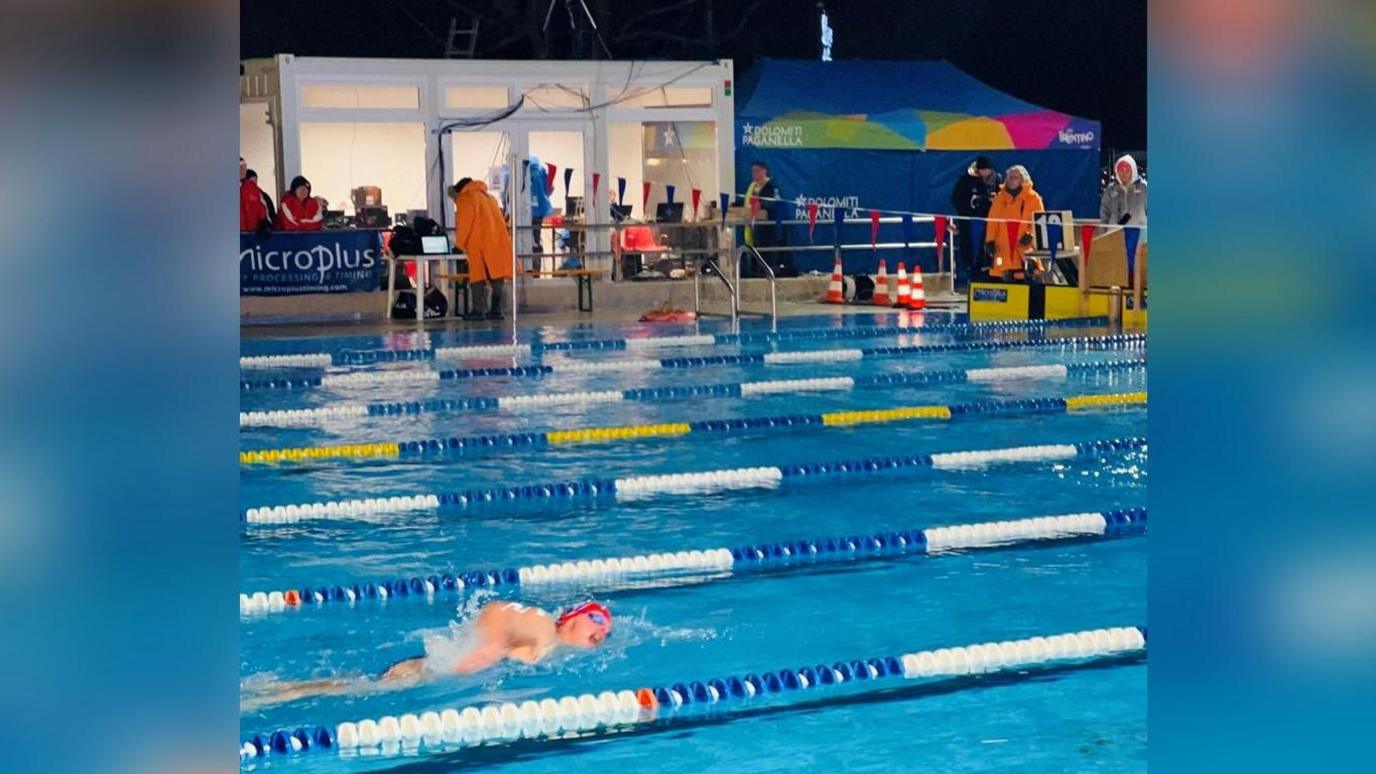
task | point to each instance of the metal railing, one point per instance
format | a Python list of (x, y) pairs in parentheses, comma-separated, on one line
[(731, 292), (748, 250)]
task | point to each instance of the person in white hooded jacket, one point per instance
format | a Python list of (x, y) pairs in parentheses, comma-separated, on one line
[(1124, 201)]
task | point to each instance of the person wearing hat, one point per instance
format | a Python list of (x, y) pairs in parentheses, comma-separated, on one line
[(299, 210), (971, 198)]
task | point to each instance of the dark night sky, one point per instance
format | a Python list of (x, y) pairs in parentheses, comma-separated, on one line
[(1085, 57)]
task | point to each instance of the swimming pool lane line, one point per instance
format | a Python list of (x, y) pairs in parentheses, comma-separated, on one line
[(612, 573), (437, 447), (624, 365), (371, 356), (495, 723), (310, 416), (685, 483)]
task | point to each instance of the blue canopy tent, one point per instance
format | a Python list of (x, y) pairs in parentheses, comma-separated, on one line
[(896, 136)]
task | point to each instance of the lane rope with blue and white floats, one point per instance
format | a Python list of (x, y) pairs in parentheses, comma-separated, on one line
[(371, 356), (710, 564), (435, 447), (311, 416), (695, 482), (431, 376), (611, 711)]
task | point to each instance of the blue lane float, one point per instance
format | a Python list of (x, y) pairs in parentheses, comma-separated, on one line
[(606, 574), (613, 711), (372, 356), (339, 411), (425, 375), (686, 483)]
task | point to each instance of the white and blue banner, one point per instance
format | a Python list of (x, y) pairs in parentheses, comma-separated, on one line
[(294, 263)]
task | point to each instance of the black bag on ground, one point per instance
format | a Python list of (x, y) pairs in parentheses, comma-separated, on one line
[(404, 308)]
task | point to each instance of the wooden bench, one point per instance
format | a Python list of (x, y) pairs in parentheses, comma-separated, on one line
[(581, 276)]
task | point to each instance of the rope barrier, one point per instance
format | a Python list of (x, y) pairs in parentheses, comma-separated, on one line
[(372, 356), (310, 416), (496, 723), (710, 563), (1086, 343), (695, 482), (460, 446)]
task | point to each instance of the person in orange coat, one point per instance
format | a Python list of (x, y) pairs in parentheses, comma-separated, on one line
[(1015, 201), (299, 211), (482, 233)]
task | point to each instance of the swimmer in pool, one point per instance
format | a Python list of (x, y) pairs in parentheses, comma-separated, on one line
[(505, 630)]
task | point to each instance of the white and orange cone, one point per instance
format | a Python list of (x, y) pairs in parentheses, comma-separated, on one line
[(881, 286), (917, 297), (836, 293), (901, 299)]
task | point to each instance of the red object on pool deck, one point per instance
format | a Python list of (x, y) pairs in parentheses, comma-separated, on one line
[(917, 297), (836, 290), (881, 287), (668, 315)]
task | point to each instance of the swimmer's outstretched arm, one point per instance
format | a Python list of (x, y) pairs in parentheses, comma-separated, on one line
[(481, 657)]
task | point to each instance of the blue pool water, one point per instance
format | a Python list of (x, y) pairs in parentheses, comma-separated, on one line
[(1091, 718)]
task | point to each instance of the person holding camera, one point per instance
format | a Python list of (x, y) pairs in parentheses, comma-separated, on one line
[(1124, 201), (973, 194), (1015, 201)]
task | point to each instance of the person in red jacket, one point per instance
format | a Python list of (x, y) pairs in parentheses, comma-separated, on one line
[(252, 209), (299, 211)]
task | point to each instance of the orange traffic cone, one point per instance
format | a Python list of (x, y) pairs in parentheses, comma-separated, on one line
[(901, 301), (881, 286), (917, 297), (836, 291)]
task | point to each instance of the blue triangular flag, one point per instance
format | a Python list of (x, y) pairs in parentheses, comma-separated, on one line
[(568, 178), (1054, 235), (725, 204), (909, 234), (621, 191), (525, 173), (839, 217), (669, 194), (1131, 236)]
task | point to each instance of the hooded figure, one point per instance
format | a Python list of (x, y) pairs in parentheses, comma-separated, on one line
[(480, 231), (1015, 201), (971, 197), (299, 211), (1124, 201)]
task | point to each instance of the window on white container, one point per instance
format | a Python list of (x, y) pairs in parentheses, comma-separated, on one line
[(665, 96), (475, 97), (340, 157), (355, 96)]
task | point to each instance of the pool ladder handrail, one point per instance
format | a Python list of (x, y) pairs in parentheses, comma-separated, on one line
[(731, 292), (749, 250)]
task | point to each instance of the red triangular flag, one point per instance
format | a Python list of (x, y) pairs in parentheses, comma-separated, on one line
[(874, 229), (939, 223), (550, 169), (1013, 228), (596, 178), (645, 199), (811, 219), (1086, 242), (697, 197)]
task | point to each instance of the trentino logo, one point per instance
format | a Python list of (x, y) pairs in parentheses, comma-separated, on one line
[(1072, 137)]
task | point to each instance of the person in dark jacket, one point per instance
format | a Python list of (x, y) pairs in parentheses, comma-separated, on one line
[(971, 197)]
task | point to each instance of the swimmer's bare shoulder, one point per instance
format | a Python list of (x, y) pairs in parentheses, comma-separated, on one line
[(509, 630)]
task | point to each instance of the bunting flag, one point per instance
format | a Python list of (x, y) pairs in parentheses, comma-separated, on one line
[(1131, 236), (909, 234), (669, 194), (568, 178), (939, 226), (525, 173), (839, 219), (1013, 228), (596, 178), (550, 169), (645, 198), (874, 230), (621, 192), (697, 197), (811, 219), (725, 200), (979, 234), (1086, 243)]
